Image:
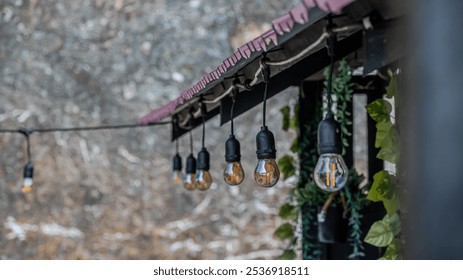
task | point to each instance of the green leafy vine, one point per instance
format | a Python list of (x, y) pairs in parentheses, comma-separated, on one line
[(386, 232), (306, 196)]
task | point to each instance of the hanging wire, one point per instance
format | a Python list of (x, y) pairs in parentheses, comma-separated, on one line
[(82, 128), (331, 40), (26, 134), (203, 116), (266, 75), (191, 128), (232, 115)]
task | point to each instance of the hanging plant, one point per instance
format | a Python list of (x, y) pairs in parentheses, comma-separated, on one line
[(306, 194)]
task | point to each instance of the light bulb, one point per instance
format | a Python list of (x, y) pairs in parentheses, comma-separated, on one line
[(177, 175), (203, 177), (331, 172), (203, 180), (189, 183), (233, 174), (28, 174), (267, 173)]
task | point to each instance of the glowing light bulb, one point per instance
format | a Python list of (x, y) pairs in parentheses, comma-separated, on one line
[(233, 174), (189, 183), (177, 178), (177, 175), (203, 180), (331, 172), (267, 172), (203, 177), (28, 174)]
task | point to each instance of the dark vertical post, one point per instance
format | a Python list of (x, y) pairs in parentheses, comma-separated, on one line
[(433, 108), (310, 104)]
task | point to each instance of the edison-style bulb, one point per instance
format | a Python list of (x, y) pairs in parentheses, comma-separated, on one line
[(28, 174), (267, 173), (203, 180), (189, 183), (27, 185), (331, 172), (233, 174), (177, 177)]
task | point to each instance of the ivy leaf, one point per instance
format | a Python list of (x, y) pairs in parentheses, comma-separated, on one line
[(390, 146), (288, 254), (287, 211), (286, 165), (384, 189), (382, 130), (285, 111), (379, 110), (380, 234), (392, 90), (393, 251), (285, 231), (383, 232)]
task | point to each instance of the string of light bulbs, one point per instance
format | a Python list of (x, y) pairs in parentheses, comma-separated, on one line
[(29, 167), (330, 172)]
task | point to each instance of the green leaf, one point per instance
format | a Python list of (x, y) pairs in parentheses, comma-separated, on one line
[(288, 254), (294, 122), (392, 90), (383, 232), (390, 146), (380, 234), (382, 130), (393, 251), (379, 110), (286, 165), (295, 145), (285, 231), (287, 211), (286, 111), (384, 189)]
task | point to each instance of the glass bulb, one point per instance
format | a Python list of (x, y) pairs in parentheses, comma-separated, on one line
[(189, 183), (27, 185), (177, 177), (331, 172), (267, 173), (203, 180), (233, 174)]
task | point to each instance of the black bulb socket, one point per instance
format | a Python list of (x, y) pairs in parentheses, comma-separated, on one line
[(177, 162), (190, 164), (329, 136), (29, 170), (232, 149), (203, 159), (265, 144)]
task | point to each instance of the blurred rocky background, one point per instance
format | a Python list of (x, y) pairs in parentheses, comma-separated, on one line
[(107, 194)]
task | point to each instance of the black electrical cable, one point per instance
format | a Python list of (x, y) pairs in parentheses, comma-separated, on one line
[(82, 128), (329, 92), (233, 96), (266, 75)]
